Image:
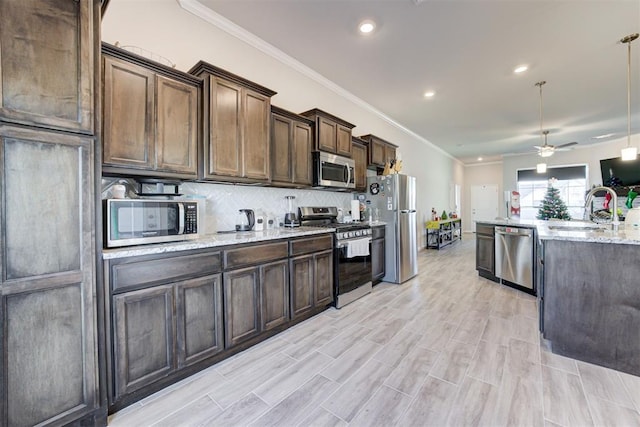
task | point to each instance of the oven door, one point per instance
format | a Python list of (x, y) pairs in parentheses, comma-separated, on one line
[(352, 271)]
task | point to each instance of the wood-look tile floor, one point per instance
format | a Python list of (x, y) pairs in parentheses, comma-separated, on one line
[(445, 348)]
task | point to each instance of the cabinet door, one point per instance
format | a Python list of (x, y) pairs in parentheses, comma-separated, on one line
[(302, 148), (377, 259), (176, 126), (485, 253), (224, 150), (389, 153), (360, 157), (327, 134), (281, 164), (274, 280), (199, 319), (47, 279), (47, 63), (323, 278), (241, 305), (255, 135), (143, 337), (128, 131), (343, 140), (376, 152), (301, 270)]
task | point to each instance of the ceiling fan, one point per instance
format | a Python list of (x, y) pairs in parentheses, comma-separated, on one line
[(547, 150)]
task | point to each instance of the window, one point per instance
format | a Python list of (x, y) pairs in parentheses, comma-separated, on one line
[(570, 180)]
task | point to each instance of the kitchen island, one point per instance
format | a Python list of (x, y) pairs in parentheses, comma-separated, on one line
[(588, 287), (590, 293)]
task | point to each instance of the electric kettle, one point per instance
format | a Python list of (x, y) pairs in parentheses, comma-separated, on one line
[(245, 220)]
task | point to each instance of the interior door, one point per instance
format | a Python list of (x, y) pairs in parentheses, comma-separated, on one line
[(484, 203)]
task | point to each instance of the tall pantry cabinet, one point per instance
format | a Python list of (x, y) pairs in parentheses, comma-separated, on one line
[(48, 127)]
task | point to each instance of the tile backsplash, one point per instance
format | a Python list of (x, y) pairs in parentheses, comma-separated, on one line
[(222, 201)]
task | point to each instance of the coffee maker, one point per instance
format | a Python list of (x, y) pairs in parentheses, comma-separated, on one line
[(291, 213)]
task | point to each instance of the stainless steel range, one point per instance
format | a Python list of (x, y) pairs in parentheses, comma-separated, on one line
[(352, 253)]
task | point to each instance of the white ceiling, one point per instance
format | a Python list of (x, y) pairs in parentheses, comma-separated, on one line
[(466, 51)]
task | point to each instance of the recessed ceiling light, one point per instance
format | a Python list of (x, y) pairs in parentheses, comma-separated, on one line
[(429, 94), (367, 26), (606, 135), (479, 159), (521, 69)]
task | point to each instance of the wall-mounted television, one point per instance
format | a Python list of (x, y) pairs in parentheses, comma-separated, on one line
[(616, 173)]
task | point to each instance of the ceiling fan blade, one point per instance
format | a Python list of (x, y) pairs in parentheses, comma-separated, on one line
[(568, 144)]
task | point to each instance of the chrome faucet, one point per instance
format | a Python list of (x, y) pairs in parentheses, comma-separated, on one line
[(615, 220)]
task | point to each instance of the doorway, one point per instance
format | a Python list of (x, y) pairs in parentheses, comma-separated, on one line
[(484, 203)]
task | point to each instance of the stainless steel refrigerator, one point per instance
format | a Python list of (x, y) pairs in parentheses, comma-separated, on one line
[(395, 198)]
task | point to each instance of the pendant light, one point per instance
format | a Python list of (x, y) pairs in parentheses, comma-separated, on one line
[(542, 167), (630, 152)]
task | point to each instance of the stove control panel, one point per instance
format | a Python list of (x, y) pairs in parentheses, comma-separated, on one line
[(354, 233)]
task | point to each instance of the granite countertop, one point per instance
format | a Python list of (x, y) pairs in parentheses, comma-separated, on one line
[(525, 223), (576, 231), (214, 240)]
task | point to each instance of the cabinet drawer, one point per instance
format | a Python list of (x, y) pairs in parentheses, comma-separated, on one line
[(377, 232), (313, 244), (484, 229), (134, 274), (257, 254)]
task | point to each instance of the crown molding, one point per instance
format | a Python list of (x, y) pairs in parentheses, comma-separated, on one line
[(201, 11)]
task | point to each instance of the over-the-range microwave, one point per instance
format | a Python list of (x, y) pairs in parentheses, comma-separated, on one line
[(333, 171), (140, 221)]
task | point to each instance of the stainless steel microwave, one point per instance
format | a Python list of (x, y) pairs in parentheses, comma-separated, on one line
[(334, 171), (141, 221)]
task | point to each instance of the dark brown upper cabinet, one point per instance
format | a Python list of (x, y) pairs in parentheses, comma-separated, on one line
[(380, 151), (291, 147), (360, 155), (237, 117), (47, 52), (332, 134), (150, 118)]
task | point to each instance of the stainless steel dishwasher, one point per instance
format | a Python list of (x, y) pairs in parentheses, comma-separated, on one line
[(515, 255)]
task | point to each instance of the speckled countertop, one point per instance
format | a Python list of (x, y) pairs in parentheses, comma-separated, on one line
[(577, 231), (213, 240)]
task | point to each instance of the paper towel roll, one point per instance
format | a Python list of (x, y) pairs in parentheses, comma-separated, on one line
[(355, 210)]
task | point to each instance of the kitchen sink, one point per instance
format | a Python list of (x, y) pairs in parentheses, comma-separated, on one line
[(576, 228)]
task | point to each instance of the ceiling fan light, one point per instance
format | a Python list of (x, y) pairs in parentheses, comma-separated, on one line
[(545, 152), (541, 167), (629, 153)]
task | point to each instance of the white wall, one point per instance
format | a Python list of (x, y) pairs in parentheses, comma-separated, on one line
[(480, 174), (163, 27)]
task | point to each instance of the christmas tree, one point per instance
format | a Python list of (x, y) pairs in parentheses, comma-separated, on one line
[(553, 206)]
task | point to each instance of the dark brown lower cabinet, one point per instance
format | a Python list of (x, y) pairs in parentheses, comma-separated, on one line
[(323, 278), (241, 305), (255, 300), (160, 329), (301, 284), (274, 287), (173, 314), (378, 254), (311, 282), (143, 337), (485, 251), (199, 319)]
